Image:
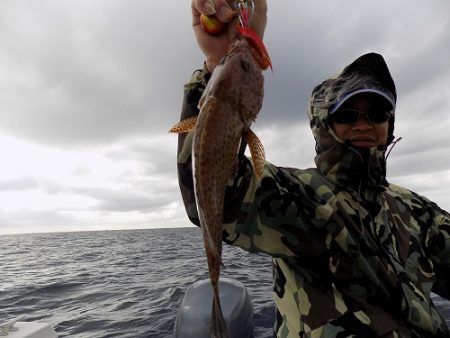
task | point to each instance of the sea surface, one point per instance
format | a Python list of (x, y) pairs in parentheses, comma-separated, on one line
[(117, 283), (120, 283)]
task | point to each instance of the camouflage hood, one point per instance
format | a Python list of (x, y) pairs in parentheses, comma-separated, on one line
[(337, 160)]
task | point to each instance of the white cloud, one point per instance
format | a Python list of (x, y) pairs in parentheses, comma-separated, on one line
[(42, 186), (88, 90)]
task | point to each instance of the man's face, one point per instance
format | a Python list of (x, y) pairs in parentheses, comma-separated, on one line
[(363, 133)]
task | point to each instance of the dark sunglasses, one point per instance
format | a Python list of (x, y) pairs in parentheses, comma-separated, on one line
[(350, 116)]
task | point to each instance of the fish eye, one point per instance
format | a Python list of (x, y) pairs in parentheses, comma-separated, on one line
[(245, 65)]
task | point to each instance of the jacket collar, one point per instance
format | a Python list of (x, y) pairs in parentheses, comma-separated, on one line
[(351, 168)]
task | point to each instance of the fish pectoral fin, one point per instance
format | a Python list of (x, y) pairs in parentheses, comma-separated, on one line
[(257, 152), (184, 126)]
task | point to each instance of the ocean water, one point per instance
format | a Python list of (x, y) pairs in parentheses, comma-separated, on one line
[(117, 283), (120, 283)]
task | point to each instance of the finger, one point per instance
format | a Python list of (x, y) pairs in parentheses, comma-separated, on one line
[(206, 7), (225, 10), (199, 7)]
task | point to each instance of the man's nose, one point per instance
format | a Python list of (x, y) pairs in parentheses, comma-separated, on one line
[(362, 122)]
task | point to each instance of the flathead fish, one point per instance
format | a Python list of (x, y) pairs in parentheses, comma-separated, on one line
[(230, 103)]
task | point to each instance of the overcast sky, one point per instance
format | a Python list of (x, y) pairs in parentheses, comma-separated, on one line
[(89, 88)]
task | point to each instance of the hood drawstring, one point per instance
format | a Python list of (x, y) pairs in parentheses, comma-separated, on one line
[(394, 142), (359, 190), (357, 153), (391, 146), (361, 222)]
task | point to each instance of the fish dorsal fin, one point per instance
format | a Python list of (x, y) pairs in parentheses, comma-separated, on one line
[(184, 126), (257, 152)]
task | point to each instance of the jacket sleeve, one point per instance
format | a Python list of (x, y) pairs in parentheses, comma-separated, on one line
[(247, 224), (192, 92), (270, 214), (438, 246)]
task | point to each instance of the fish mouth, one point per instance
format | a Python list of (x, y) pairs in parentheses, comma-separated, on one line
[(263, 56)]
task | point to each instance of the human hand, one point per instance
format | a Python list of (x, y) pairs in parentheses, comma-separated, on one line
[(215, 47)]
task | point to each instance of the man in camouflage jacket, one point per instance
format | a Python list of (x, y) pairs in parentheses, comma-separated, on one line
[(353, 255)]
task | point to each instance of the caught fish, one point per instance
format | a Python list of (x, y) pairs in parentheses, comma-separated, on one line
[(230, 103)]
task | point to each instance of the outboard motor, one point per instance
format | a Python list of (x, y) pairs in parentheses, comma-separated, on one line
[(194, 314)]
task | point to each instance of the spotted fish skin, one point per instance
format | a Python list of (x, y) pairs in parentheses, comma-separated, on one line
[(230, 103)]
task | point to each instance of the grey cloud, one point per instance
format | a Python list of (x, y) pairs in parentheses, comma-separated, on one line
[(322, 38), (39, 221), (108, 75), (423, 139), (151, 152), (32, 183), (95, 74), (141, 195), (416, 162), (125, 200), (92, 79), (18, 184)]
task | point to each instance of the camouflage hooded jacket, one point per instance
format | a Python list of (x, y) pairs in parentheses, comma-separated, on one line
[(353, 255)]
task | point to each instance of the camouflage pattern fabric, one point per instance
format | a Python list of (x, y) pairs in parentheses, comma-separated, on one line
[(353, 255)]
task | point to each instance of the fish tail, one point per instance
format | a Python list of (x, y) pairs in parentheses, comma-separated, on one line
[(218, 324)]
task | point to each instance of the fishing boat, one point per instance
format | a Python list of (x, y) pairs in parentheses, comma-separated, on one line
[(16, 328), (193, 317)]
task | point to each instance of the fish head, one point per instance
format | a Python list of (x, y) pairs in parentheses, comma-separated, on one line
[(241, 82)]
